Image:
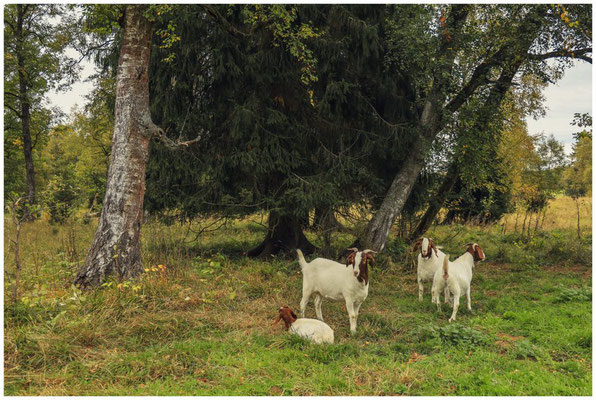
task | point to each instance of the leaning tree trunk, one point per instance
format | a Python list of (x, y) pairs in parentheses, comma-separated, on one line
[(116, 247), (25, 114), (437, 202), (431, 119), (428, 125), (377, 230), (284, 235)]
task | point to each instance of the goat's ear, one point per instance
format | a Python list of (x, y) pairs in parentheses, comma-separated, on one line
[(417, 245), (479, 252), (432, 246), (276, 320), (350, 259)]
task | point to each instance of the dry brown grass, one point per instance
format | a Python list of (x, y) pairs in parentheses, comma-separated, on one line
[(561, 214)]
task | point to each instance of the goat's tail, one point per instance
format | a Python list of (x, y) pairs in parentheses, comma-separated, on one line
[(446, 267), (301, 259)]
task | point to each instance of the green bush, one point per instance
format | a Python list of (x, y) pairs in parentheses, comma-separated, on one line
[(455, 335)]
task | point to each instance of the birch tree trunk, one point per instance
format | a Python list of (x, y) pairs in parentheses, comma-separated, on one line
[(116, 247)]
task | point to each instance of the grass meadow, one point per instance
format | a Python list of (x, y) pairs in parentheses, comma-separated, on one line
[(198, 322)]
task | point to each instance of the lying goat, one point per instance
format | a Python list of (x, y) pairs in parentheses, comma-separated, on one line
[(457, 277), (311, 329), (429, 261), (332, 280)]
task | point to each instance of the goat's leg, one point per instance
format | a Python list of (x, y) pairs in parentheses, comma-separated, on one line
[(318, 302), (446, 294), (455, 307), (352, 314), (304, 303), (435, 297), (469, 299), (420, 289), (357, 308)]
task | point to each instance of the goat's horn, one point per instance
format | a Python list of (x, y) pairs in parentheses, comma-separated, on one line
[(353, 249), (369, 251)]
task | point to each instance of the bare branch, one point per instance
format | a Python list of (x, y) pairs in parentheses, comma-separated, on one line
[(161, 136)]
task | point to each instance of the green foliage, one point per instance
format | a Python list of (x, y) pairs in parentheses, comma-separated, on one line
[(282, 142), (578, 177), (572, 294)]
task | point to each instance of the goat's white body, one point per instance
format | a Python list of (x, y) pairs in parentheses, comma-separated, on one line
[(427, 267), (332, 280), (458, 282), (312, 329)]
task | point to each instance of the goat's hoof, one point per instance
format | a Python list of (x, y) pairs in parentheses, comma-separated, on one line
[(451, 319)]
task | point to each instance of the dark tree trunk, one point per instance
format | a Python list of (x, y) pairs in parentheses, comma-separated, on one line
[(25, 110), (116, 247), (543, 218), (537, 222), (523, 229), (436, 202), (578, 227), (324, 220), (284, 235)]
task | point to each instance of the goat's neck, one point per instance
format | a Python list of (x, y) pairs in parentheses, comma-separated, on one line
[(467, 259)]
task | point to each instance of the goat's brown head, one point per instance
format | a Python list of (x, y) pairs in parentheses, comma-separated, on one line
[(426, 246), (360, 261), (476, 251), (287, 315)]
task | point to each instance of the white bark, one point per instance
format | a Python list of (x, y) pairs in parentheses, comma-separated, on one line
[(116, 246)]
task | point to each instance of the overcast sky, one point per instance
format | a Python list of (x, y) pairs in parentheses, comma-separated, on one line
[(572, 94)]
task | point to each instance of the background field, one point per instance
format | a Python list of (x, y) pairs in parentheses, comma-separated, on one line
[(202, 324)]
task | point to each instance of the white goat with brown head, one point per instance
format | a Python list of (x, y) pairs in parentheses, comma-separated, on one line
[(430, 259), (311, 329), (327, 278), (456, 276)]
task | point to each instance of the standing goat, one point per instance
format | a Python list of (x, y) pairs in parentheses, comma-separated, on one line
[(332, 280), (429, 261), (311, 329), (457, 277)]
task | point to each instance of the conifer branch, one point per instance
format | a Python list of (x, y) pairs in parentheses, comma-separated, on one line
[(220, 18)]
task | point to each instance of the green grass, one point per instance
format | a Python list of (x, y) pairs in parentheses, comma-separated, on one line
[(204, 326)]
